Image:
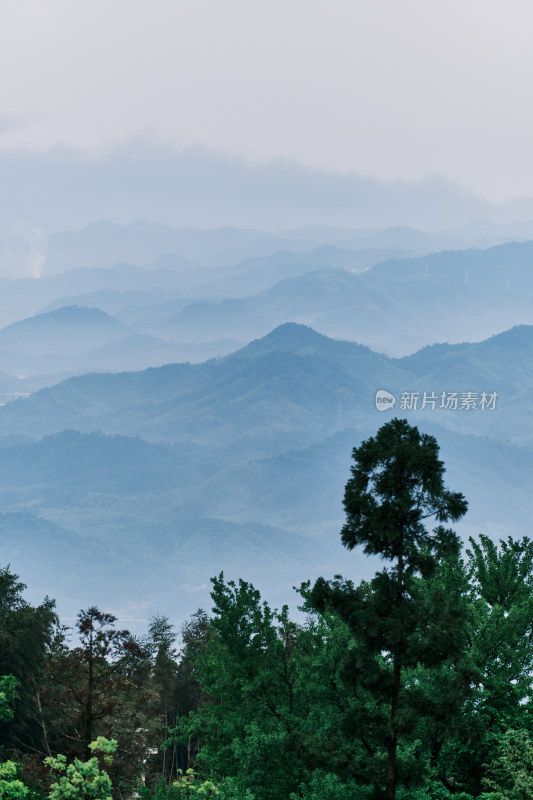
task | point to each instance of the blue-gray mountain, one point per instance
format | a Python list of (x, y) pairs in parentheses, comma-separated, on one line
[(395, 306), (161, 478)]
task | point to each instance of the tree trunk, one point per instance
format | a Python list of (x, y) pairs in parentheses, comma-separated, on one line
[(43, 724), (392, 777), (88, 733)]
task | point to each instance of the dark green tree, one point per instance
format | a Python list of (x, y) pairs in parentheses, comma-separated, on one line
[(97, 661), (190, 695), (396, 486), (160, 646), (500, 655), (195, 635), (8, 695), (101, 687), (26, 633), (501, 636)]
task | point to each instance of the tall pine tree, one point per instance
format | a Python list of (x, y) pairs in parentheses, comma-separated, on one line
[(401, 621)]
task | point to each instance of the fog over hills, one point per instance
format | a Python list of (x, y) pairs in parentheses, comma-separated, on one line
[(396, 306), (189, 314), (69, 325), (201, 187), (36, 252), (195, 396), (318, 383), (239, 463), (255, 259)]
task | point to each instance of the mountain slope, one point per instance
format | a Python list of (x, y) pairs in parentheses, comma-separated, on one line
[(311, 380), (239, 464), (397, 306), (69, 328)]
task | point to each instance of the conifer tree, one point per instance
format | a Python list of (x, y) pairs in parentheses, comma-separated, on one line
[(396, 485)]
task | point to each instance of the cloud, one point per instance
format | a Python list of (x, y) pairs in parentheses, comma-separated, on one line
[(126, 614), (198, 187), (23, 253), (200, 588), (16, 122)]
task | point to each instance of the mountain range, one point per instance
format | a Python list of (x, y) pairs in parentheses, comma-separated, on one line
[(129, 317), (162, 477)]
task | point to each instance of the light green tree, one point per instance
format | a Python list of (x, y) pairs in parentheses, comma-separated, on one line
[(11, 788), (510, 774), (82, 780)]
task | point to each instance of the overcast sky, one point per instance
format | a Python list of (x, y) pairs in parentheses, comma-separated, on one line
[(390, 88)]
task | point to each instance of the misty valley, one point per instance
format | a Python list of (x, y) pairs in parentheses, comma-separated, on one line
[(266, 390), (178, 416)]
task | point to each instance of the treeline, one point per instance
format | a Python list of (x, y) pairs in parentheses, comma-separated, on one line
[(414, 685)]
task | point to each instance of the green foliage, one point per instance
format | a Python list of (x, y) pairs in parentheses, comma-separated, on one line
[(105, 746), (500, 659), (26, 633), (101, 687), (414, 685), (248, 668), (502, 575), (396, 484), (163, 685), (267, 768), (81, 780), (510, 773), (405, 623), (228, 789), (8, 695), (188, 785), (161, 791), (11, 788), (327, 786)]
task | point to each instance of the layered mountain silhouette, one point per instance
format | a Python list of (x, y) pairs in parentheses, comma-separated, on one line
[(131, 468), (293, 379), (239, 463), (396, 306)]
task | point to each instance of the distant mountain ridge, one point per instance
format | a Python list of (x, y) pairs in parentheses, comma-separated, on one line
[(103, 243), (239, 463), (314, 378), (396, 306)]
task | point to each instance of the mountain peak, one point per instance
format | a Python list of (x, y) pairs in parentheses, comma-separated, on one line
[(289, 336), (295, 338)]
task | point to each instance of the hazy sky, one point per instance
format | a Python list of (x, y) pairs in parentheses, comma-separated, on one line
[(391, 88)]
